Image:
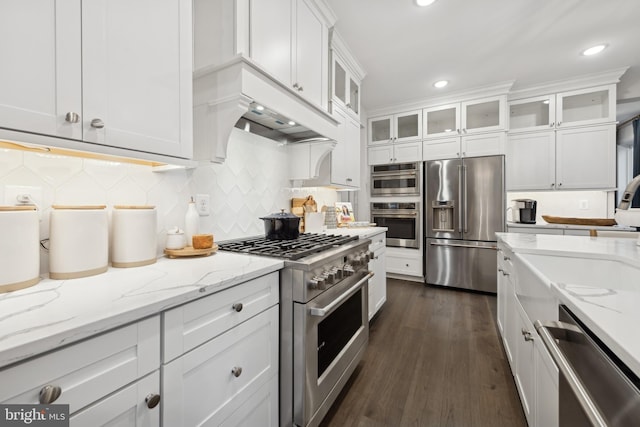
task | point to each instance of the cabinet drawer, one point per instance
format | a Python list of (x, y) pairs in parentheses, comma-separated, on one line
[(195, 323), (201, 388), (400, 265), (126, 407), (88, 370), (378, 241)]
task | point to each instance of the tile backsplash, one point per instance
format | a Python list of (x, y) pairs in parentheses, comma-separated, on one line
[(253, 182)]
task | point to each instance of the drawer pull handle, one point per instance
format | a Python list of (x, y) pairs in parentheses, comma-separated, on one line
[(97, 123), (237, 307), (49, 394), (528, 336), (236, 371), (152, 400)]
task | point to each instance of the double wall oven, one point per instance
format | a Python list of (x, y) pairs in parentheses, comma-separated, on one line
[(324, 317), (395, 202)]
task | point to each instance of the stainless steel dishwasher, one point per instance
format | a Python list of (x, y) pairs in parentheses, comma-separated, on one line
[(595, 387)]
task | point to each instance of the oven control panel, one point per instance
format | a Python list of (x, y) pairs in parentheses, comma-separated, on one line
[(333, 273)]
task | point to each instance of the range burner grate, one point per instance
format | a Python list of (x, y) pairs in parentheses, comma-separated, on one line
[(305, 245)]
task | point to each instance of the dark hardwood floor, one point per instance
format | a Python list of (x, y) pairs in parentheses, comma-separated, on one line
[(434, 359)]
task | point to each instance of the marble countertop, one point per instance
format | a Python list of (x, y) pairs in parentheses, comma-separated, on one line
[(612, 314), (363, 232), (571, 226), (57, 312)]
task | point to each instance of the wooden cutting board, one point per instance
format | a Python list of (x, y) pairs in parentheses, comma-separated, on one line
[(190, 252), (579, 221)]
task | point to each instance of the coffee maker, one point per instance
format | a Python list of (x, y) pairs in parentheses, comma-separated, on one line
[(524, 211)]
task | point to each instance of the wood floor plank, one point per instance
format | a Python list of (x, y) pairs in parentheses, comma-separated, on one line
[(434, 359)]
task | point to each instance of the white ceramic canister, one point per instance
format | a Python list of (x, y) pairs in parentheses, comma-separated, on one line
[(19, 247), (135, 236), (78, 241)]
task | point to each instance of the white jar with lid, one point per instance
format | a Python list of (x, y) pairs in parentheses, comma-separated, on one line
[(135, 237), (78, 241), (19, 247)]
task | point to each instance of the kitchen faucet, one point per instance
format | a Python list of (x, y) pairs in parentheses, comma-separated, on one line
[(625, 204), (629, 192)]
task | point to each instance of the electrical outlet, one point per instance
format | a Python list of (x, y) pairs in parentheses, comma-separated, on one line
[(584, 205), (202, 204), (22, 195)]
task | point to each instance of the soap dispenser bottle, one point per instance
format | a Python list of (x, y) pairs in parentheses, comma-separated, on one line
[(191, 219)]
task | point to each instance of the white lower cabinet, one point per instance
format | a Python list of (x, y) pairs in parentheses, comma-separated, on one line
[(133, 406), (377, 264), (404, 261), (534, 372), (208, 385), (220, 358), (103, 378)]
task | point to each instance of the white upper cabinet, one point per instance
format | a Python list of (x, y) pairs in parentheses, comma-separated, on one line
[(136, 73), (483, 115), (40, 76), (345, 157), (441, 121), (590, 106), (347, 75), (99, 72), (401, 127), (290, 39), (461, 118), (586, 106)]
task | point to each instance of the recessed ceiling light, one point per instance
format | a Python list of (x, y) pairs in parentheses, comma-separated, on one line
[(259, 107), (424, 2), (441, 84), (594, 50), (292, 123)]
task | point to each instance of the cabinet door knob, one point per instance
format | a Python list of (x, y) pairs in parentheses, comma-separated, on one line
[(152, 400), (552, 184), (236, 371), (559, 184), (49, 394), (295, 85), (237, 307), (551, 124), (97, 123), (348, 106), (72, 117), (349, 179)]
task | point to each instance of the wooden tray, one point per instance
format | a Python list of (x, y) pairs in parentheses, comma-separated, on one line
[(579, 221), (190, 252)]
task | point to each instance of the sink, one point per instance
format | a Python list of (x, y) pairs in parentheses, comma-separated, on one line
[(600, 273)]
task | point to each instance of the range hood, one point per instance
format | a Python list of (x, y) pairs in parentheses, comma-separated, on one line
[(239, 94)]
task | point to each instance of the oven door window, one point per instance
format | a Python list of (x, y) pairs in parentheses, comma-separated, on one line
[(399, 228), (336, 330), (396, 183)]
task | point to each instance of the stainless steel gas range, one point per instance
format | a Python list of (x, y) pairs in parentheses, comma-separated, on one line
[(324, 328)]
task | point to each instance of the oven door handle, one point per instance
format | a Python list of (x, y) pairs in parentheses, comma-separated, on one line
[(321, 312), (577, 387), (460, 245)]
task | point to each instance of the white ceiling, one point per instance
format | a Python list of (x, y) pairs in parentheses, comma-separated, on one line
[(404, 49)]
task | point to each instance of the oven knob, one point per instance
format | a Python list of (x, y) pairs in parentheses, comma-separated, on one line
[(368, 256), (317, 282), (331, 277), (348, 270)]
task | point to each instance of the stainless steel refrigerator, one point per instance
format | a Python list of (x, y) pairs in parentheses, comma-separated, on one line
[(465, 207)]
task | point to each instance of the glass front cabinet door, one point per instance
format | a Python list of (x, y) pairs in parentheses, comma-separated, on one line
[(443, 120), (346, 87), (483, 115), (586, 106), (532, 114)]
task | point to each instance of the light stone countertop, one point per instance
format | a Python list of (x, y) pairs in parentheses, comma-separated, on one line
[(362, 232), (612, 314), (570, 226), (57, 312)]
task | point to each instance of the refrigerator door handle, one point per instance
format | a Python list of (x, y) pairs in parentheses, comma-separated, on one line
[(460, 245), (460, 205), (464, 174)]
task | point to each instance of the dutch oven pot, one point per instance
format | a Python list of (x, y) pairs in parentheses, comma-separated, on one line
[(281, 226)]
